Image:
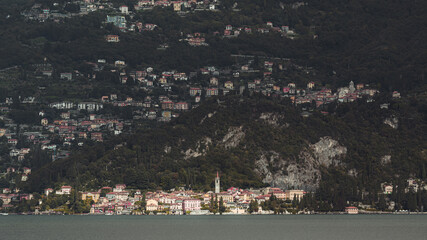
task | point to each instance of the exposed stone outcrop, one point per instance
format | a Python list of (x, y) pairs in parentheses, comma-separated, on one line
[(233, 137), (392, 122), (352, 172), (167, 149), (327, 151), (386, 159), (201, 148), (304, 173), (273, 119)]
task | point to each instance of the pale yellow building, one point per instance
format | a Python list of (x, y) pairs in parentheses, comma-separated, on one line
[(229, 85), (226, 197), (90, 196), (294, 194), (2, 132), (152, 205), (177, 7)]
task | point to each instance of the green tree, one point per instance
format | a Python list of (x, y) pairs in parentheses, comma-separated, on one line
[(211, 203), (382, 203), (222, 207), (412, 201), (104, 192), (215, 205), (141, 204), (253, 206)]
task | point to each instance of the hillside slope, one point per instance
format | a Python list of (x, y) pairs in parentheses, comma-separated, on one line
[(255, 141)]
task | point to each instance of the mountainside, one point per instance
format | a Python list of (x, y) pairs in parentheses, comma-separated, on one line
[(379, 42), (132, 62), (255, 141)]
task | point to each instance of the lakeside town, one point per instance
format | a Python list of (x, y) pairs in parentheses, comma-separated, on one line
[(67, 125), (70, 124), (149, 95), (152, 94), (120, 200)]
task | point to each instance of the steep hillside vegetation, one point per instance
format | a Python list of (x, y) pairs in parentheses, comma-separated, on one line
[(255, 141)]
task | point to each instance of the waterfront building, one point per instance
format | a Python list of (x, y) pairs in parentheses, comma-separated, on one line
[(191, 204), (294, 194), (351, 210)]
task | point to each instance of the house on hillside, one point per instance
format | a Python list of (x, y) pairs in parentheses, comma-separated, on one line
[(211, 92), (112, 38), (65, 190), (118, 21), (195, 91), (66, 76), (124, 9)]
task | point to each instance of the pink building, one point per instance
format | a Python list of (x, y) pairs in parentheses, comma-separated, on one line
[(278, 193), (181, 106), (195, 91), (119, 187), (191, 204), (211, 92), (47, 191), (351, 210), (27, 170)]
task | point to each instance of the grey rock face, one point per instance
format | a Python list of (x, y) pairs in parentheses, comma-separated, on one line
[(304, 173), (273, 119), (201, 148), (386, 159), (392, 122), (234, 136)]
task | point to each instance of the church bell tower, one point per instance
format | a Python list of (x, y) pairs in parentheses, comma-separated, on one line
[(217, 183)]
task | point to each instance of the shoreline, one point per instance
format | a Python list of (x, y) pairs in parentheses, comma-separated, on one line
[(230, 214)]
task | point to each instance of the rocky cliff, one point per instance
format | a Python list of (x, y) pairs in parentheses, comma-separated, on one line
[(303, 172)]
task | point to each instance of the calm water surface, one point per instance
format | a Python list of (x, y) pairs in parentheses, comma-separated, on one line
[(317, 227)]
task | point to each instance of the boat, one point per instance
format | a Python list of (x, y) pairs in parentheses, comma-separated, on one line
[(4, 214)]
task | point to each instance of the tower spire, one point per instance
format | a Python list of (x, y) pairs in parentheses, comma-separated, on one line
[(217, 183)]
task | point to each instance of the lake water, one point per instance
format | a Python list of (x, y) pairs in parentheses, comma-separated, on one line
[(270, 227)]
